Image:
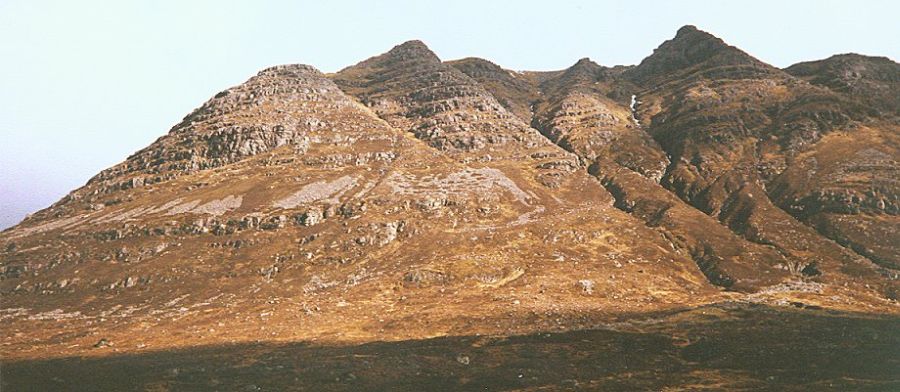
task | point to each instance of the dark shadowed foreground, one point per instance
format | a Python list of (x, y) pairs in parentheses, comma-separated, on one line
[(724, 346)]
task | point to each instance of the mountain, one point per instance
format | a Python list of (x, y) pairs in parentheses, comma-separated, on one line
[(695, 54), (873, 80), (405, 199)]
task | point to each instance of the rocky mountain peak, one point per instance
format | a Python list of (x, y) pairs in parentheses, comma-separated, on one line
[(584, 61), (477, 63), (403, 55), (690, 35), (438, 103), (695, 51), (409, 57), (689, 29), (846, 68), (283, 105), (849, 66), (583, 71), (413, 50), (584, 66)]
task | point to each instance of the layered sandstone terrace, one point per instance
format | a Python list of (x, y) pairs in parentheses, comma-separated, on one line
[(407, 198)]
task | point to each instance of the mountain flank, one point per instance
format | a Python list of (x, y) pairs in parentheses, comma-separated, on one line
[(407, 198)]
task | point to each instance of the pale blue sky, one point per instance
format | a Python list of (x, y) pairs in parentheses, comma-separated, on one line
[(83, 84)]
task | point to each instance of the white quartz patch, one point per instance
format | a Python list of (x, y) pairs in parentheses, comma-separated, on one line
[(220, 206), (465, 182), (316, 191), (215, 207)]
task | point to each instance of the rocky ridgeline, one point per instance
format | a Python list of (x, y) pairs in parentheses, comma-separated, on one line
[(693, 55), (516, 91), (873, 80), (584, 109), (727, 121), (412, 89), (708, 121), (288, 105)]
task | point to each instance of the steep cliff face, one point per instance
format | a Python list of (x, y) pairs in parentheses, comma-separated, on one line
[(406, 197)]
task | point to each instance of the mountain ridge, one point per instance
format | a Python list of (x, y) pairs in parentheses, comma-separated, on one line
[(407, 197)]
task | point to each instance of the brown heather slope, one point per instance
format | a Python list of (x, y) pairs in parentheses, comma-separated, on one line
[(405, 198)]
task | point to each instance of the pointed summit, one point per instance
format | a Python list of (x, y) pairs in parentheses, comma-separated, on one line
[(412, 89), (217, 134), (412, 50), (584, 61), (688, 29), (583, 70), (408, 54), (401, 59), (694, 50), (385, 76), (581, 74), (691, 35)]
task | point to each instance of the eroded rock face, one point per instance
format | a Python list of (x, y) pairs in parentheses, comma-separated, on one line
[(873, 80), (709, 122), (255, 117), (405, 197), (583, 112), (695, 54), (412, 89), (514, 90)]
